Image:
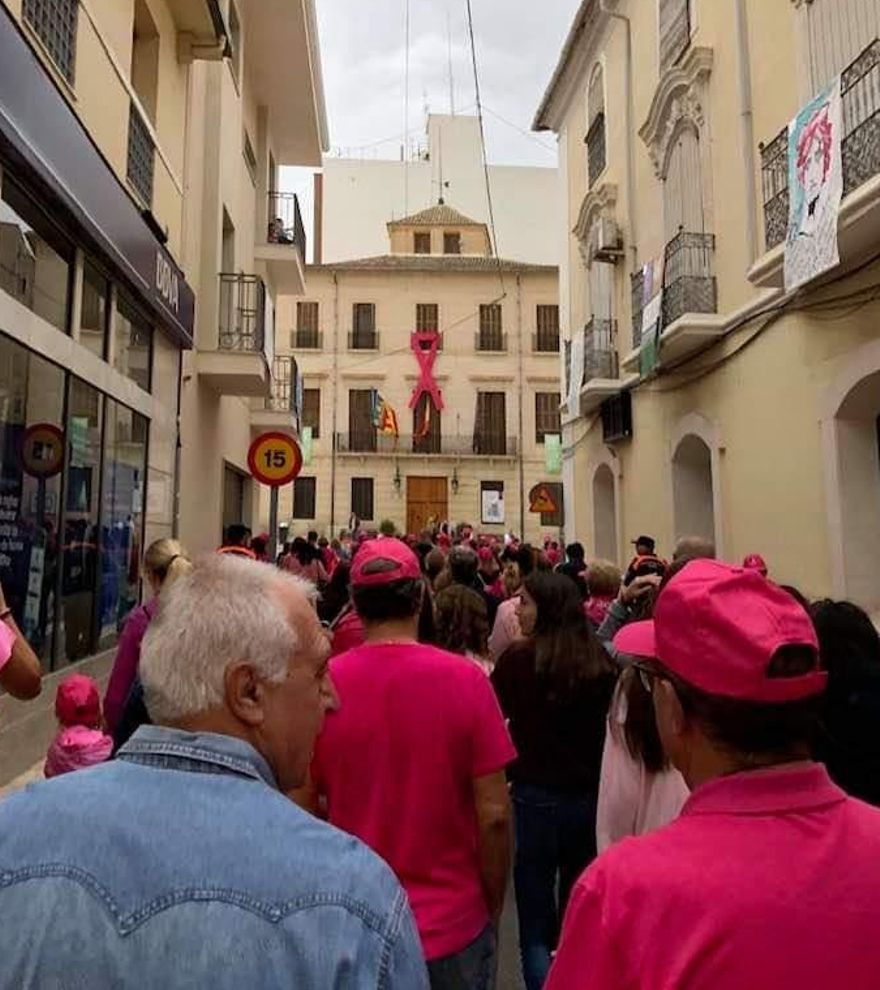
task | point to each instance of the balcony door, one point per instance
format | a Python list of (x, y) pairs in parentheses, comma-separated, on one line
[(838, 31), (683, 187)]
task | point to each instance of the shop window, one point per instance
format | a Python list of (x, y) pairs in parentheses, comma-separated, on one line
[(55, 23), (121, 549), (80, 573), (304, 498), (36, 261), (133, 344), (30, 499), (362, 498), (94, 310)]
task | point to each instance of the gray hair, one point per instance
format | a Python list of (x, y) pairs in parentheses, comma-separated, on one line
[(693, 548), (226, 611)]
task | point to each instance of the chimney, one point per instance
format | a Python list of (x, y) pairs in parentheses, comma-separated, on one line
[(318, 220)]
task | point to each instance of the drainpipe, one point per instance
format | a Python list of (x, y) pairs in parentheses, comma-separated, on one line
[(335, 404), (746, 126), (630, 134), (522, 479)]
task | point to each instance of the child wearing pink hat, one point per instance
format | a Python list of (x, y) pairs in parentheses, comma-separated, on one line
[(80, 741)]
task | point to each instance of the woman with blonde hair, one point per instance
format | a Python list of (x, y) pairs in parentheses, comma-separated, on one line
[(164, 562)]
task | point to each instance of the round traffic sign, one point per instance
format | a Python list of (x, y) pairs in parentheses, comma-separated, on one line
[(274, 459), (42, 450)]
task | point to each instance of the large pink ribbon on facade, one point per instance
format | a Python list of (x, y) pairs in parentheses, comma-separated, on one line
[(426, 356)]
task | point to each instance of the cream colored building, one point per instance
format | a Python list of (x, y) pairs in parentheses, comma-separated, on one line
[(142, 246), (495, 324), (758, 425)]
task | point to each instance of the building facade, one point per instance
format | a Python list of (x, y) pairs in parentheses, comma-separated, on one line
[(752, 418), (463, 346), (128, 363)]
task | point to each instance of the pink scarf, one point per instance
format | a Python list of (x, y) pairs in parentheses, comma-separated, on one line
[(74, 748)]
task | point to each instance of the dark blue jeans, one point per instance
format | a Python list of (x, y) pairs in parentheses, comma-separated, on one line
[(555, 840), (473, 968)]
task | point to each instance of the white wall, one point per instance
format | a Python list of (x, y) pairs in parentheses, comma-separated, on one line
[(361, 196)]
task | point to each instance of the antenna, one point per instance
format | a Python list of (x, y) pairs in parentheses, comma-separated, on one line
[(440, 163), (449, 48)]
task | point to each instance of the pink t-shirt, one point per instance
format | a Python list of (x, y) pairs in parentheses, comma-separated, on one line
[(7, 641), (506, 629), (396, 764), (769, 880)]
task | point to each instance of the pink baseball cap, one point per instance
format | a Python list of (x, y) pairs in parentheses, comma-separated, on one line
[(77, 701), (400, 563), (755, 562), (717, 627)]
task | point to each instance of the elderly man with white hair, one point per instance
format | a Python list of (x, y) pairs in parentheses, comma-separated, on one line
[(181, 864)]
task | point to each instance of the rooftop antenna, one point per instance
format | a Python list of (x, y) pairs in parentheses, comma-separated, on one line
[(449, 49), (440, 199), (406, 113)]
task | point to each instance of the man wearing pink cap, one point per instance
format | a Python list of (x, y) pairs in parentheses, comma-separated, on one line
[(413, 764), (770, 878)]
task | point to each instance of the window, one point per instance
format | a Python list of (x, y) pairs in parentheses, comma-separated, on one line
[(548, 328), (363, 335), (490, 337), (675, 31), (556, 518), (422, 242), (234, 40), (452, 243), (306, 325), (35, 260), (236, 498), (250, 159), (595, 139), (490, 425), (304, 498), (426, 427), (94, 310), (492, 502), (427, 317), (838, 31), (141, 156), (361, 431), (362, 498), (683, 187), (145, 58), (547, 417), (133, 343), (311, 410), (55, 23)]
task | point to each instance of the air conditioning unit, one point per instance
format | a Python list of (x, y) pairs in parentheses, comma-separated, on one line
[(617, 420), (606, 243)]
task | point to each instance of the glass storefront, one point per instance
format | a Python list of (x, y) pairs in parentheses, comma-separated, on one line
[(134, 343), (73, 469)]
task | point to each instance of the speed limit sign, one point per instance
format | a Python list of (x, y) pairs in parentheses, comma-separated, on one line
[(274, 459)]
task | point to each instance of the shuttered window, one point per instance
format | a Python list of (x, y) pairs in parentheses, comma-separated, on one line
[(675, 31), (304, 498), (362, 498), (452, 243), (491, 337), (422, 242), (547, 417), (683, 187), (362, 433), (490, 429), (311, 410), (306, 325), (548, 328), (838, 31), (427, 317)]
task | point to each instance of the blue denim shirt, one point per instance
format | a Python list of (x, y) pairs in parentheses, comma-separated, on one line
[(181, 865)]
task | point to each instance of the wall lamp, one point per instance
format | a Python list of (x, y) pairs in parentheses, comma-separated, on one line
[(397, 481), (454, 481)]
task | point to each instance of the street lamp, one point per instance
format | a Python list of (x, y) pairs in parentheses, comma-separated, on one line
[(454, 481), (397, 481)]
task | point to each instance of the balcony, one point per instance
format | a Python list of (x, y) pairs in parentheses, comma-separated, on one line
[(601, 379), (306, 340), (860, 150), (637, 288), (363, 340), (491, 342), (141, 156), (200, 23), (283, 247), (240, 364), (278, 410), (366, 443), (545, 342)]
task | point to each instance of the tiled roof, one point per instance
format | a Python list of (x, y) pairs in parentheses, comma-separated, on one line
[(439, 215), (433, 263)]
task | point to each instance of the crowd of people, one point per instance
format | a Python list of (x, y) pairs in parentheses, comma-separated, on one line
[(320, 771)]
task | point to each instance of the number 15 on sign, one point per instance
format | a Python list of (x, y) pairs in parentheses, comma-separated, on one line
[(274, 459)]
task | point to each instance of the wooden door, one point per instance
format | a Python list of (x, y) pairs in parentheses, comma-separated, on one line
[(425, 497)]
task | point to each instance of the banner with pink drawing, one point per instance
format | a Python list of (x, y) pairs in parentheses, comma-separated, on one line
[(815, 184)]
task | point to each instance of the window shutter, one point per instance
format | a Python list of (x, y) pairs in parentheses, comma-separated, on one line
[(675, 31)]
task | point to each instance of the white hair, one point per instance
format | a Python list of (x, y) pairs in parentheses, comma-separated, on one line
[(226, 611)]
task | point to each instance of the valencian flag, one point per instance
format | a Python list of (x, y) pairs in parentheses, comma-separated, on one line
[(424, 428), (384, 416)]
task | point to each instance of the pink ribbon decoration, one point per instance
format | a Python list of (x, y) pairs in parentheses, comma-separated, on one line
[(426, 356)]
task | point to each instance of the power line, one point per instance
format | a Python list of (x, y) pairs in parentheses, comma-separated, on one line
[(406, 115)]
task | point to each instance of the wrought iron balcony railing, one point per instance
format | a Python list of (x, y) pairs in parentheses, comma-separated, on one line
[(490, 341), (141, 156), (307, 340), (860, 147), (242, 320), (600, 350), (370, 441), (363, 340), (285, 375), (689, 276), (285, 221), (544, 342)]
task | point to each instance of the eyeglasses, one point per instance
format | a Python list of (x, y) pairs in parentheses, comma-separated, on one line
[(648, 675)]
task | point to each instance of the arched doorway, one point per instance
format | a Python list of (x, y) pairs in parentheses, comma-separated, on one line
[(857, 434), (604, 514), (693, 488)]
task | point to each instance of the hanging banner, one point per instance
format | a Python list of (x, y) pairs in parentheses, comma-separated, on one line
[(553, 453), (305, 444), (576, 373), (652, 315), (815, 184)]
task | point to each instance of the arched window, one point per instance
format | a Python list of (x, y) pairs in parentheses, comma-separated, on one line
[(693, 489), (595, 125), (604, 514)]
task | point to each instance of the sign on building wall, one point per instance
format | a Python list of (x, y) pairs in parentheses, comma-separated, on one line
[(492, 507), (815, 183)]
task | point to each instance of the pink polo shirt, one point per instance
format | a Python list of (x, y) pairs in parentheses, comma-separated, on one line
[(396, 764), (769, 880)]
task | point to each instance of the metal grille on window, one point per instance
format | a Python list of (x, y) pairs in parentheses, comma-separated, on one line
[(55, 23), (141, 156), (675, 31)]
